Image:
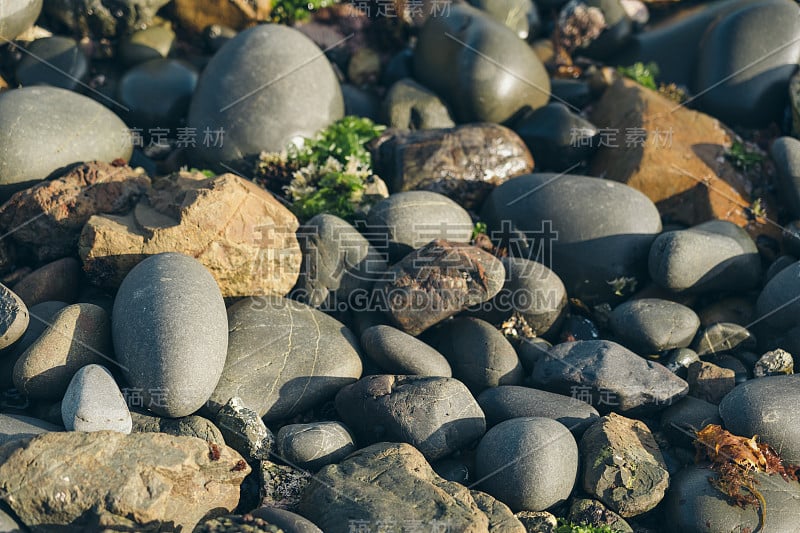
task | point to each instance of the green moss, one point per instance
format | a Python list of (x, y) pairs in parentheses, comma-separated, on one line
[(643, 74), (743, 157), (606, 453), (291, 11), (569, 527), (205, 172)]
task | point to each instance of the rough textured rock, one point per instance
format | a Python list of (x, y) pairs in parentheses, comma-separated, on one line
[(530, 464), (610, 375), (284, 357), (281, 486), (623, 466), (93, 402), (685, 172), (400, 408), (48, 218), (766, 407), (237, 230), (244, 431), (597, 242), (103, 18), (170, 333), (45, 129), (14, 317), (710, 382), (594, 513), (464, 163), (78, 335), (393, 482), (437, 281), (265, 87), (187, 426), (774, 363), (57, 281), (314, 445), (80, 479)]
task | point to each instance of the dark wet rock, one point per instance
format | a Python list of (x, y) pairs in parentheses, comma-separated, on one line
[(289, 522), (386, 408), (53, 61), (437, 281), (77, 335), (361, 102), (236, 523), (785, 152), (623, 466), (737, 309), (14, 317), (680, 421), (520, 16), (338, 262), (604, 231), (766, 407), (18, 16), (393, 482), (594, 513), (285, 357), (93, 402), (679, 360), (56, 281), (260, 107), (48, 218), (478, 353), (170, 332), (509, 401), (779, 264), (735, 81), (530, 351), (21, 427), (778, 303), (157, 94), (774, 363), (610, 375), (578, 328), (410, 106), (244, 431), (449, 65), (575, 93), (649, 326), (595, 28), (409, 220), (187, 426), (33, 119), (741, 373), (723, 337), (464, 163), (557, 138), (125, 480), (314, 445), (152, 43), (713, 256), (103, 18), (694, 504), (400, 353), (530, 464), (709, 382)]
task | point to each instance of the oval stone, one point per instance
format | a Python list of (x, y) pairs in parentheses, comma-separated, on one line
[(396, 351), (650, 325), (53, 61), (285, 357), (594, 233), (44, 129), (170, 333), (264, 88), (312, 446), (93, 402)]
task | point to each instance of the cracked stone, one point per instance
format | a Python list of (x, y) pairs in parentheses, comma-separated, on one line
[(244, 431)]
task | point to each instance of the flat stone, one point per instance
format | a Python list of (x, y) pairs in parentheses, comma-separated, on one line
[(56, 281), (437, 281), (93, 402), (393, 482), (623, 466), (398, 352), (78, 335), (314, 445), (33, 118), (131, 480), (597, 242), (47, 218), (14, 317), (529, 464), (285, 357), (511, 401), (603, 370), (650, 325), (281, 89), (399, 408), (170, 332), (21, 427), (237, 230)]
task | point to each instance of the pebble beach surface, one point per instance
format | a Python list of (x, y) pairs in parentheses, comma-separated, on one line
[(468, 266)]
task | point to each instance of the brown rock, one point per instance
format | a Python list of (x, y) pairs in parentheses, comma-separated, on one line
[(437, 281), (710, 382), (85, 479), (48, 217), (464, 163), (393, 484), (681, 165), (622, 465), (57, 281), (195, 15), (239, 231)]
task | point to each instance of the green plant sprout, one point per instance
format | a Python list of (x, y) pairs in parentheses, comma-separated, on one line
[(291, 11), (205, 172), (480, 228), (742, 157), (643, 74), (569, 527)]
